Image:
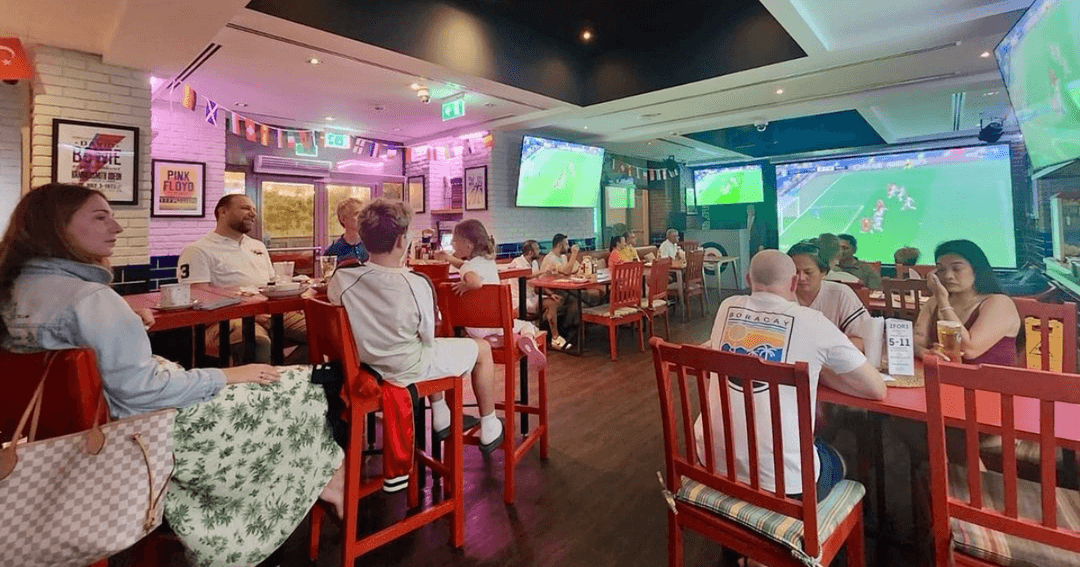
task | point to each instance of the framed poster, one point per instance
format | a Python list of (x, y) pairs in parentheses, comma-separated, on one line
[(99, 156), (178, 188), (476, 188), (393, 190), (417, 193)]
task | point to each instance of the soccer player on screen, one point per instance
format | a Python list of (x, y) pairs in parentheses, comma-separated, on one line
[(891, 189), (864, 225), (909, 204), (879, 220)]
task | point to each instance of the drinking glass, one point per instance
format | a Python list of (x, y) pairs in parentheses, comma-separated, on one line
[(327, 265), (949, 336)]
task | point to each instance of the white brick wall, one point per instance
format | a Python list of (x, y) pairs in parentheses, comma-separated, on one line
[(76, 85), (181, 134), (12, 118)]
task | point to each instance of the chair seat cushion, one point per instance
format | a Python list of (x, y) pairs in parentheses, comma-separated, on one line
[(656, 304), (605, 311), (1006, 549), (1027, 458), (783, 529)]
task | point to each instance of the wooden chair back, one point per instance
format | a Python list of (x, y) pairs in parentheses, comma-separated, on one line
[(72, 391), (626, 285), (689, 246), (1045, 315), (487, 307), (876, 266), (330, 338), (436, 271), (695, 263), (861, 291), (923, 270), (658, 280), (993, 393), (903, 297), (677, 366)]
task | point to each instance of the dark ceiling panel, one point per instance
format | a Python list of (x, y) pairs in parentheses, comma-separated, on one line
[(639, 47), (845, 129)]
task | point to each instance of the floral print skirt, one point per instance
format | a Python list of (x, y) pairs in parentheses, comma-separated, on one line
[(249, 465)]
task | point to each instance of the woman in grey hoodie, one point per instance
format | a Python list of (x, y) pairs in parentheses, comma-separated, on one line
[(251, 442)]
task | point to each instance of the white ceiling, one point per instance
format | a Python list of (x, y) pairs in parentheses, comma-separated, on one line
[(897, 63)]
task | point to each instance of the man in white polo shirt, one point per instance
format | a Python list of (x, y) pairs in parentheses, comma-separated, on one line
[(771, 325), (229, 258)]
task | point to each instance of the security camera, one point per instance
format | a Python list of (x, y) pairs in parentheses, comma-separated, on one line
[(424, 96), (761, 125)]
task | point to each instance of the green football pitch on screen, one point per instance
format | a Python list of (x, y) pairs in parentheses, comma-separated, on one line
[(730, 186), (555, 177)]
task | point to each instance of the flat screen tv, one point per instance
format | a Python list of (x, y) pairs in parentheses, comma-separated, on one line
[(619, 197), (558, 174), (728, 185), (890, 201), (1039, 60)]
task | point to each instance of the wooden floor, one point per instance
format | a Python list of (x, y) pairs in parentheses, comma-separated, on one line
[(595, 502)]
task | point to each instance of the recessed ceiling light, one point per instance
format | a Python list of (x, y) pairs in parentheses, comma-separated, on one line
[(397, 129), (586, 35), (329, 118), (241, 104), (489, 104), (650, 143), (648, 115), (378, 108), (984, 54), (415, 86), (779, 91), (586, 127), (314, 61)]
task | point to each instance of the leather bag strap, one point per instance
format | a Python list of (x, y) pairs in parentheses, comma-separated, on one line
[(9, 456)]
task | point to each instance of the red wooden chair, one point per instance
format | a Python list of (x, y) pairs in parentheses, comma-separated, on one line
[(989, 518), (71, 396), (903, 298), (694, 282), (490, 307), (764, 525), (435, 271), (689, 246), (655, 304), (330, 338), (624, 306), (876, 266)]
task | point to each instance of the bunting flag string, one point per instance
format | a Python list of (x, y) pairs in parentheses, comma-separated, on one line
[(644, 173)]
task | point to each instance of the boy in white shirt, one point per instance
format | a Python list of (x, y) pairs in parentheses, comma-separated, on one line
[(392, 315)]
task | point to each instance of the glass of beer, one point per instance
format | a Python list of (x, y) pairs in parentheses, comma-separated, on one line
[(949, 336), (327, 265)]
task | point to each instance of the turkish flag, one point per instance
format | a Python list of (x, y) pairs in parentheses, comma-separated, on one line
[(13, 61)]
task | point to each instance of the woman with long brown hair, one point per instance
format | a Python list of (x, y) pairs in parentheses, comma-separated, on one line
[(55, 294)]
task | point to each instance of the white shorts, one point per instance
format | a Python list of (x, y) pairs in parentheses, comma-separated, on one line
[(452, 357)]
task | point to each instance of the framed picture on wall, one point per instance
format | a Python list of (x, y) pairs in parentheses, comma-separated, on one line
[(476, 188), (178, 188), (99, 156), (393, 190), (417, 193)]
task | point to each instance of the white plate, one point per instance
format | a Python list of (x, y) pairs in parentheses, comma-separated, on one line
[(177, 307), (271, 292)]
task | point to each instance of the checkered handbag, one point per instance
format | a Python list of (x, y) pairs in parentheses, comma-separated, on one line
[(73, 500)]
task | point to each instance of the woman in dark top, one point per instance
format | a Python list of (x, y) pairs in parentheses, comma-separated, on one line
[(967, 292)]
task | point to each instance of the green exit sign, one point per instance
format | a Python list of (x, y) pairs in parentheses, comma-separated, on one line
[(336, 140), (452, 109)]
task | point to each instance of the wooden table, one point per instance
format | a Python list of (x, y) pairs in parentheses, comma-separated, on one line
[(249, 307), (719, 261), (575, 286)]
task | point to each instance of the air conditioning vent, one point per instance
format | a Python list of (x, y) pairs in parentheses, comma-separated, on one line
[(292, 166)]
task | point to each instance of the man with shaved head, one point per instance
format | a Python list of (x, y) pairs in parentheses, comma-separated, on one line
[(771, 325)]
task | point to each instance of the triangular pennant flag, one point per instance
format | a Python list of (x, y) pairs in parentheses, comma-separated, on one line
[(290, 139), (264, 134), (211, 112), (280, 138), (234, 123), (190, 98), (663, 174), (249, 130)]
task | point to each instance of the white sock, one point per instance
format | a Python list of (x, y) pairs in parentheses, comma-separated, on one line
[(440, 415), (490, 428)]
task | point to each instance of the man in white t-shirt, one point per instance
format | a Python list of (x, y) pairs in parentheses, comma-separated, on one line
[(228, 258), (529, 260), (556, 264), (770, 324), (669, 248), (392, 314)]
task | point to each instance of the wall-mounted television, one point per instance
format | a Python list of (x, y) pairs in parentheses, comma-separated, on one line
[(890, 201), (620, 197), (558, 174), (728, 185), (1039, 60)]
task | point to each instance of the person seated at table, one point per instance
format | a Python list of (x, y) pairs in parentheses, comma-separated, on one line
[(247, 471), (829, 245), (472, 244), (348, 247), (854, 266), (530, 260), (966, 291), (629, 252), (392, 314), (771, 325), (615, 250), (230, 259), (835, 300), (556, 261), (904, 259), (669, 248)]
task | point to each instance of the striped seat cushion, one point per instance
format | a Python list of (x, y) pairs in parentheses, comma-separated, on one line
[(656, 304), (605, 311), (1027, 459), (778, 527), (1005, 549)]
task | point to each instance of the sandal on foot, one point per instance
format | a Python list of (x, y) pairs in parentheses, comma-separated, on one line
[(467, 422), (559, 343)]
